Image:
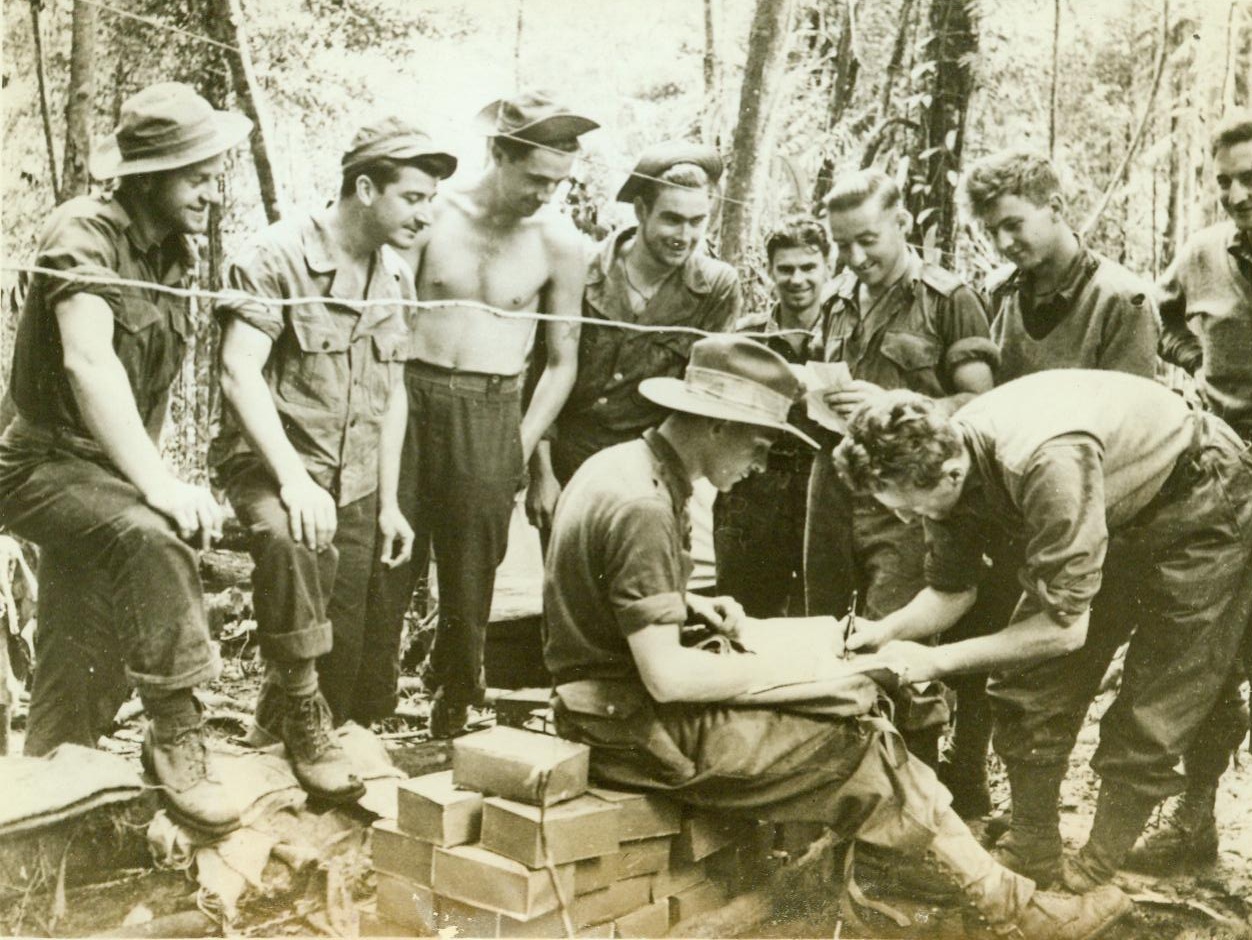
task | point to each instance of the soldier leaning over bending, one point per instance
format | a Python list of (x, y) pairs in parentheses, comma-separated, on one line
[(80, 470), (660, 715)]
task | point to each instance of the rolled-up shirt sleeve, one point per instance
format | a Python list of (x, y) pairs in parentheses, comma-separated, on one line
[(1066, 533), (1179, 344), (644, 567), (250, 277), (80, 247), (967, 338)]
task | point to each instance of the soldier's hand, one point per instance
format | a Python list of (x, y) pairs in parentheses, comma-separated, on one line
[(723, 614), (851, 396), (911, 662), (541, 497), (311, 513), (397, 536), (867, 636), (192, 509)]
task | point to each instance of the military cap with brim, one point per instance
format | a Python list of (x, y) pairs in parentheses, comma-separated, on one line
[(395, 138), (660, 157), (164, 127), (532, 117), (734, 379)]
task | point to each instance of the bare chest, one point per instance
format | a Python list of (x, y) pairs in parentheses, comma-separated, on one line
[(466, 261)]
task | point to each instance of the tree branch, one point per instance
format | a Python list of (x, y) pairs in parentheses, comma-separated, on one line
[(45, 111)]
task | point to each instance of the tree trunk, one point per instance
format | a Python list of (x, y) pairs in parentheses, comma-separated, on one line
[(1056, 76), (252, 100), (954, 42), (75, 177), (767, 53), (840, 59), (45, 109), (709, 109)]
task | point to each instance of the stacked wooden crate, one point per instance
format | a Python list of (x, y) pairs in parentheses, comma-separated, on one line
[(513, 842)]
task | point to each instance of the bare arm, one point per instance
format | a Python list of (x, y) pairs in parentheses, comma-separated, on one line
[(674, 673), (929, 613), (397, 534), (557, 381), (310, 509), (1031, 640), (105, 400)]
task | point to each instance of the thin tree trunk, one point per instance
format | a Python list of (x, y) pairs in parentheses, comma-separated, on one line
[(712, 74), (1137, 138), (896, 63), (251, 98), (78, 103), (45, 110), (517, 44), (842, 85), (1056, 76), (767, 48)]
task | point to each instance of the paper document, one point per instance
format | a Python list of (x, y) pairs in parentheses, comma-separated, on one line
[(820, 378)]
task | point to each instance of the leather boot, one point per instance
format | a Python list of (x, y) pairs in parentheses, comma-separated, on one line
[(319, 762), (1121, 814), (1050, 916), (1011, 904), (1032, 846), (267, 719), (1186, 839), (176, 755)]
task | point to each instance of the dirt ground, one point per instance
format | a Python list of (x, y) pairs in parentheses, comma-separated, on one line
[(1213, 903)]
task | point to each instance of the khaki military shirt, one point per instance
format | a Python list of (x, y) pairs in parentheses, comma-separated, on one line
[(915, 336), (332, 366), (93, 236)]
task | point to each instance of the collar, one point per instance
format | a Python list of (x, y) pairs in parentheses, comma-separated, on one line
[(319, 256), (1239, 243), (141, 239), (317, 248), (1075, 278), (673, 471), (695, 275), (846, 284)]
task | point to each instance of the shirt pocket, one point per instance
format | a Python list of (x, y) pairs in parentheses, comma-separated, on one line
[(912, 352), (148, 348), (389, 350), (314, 368)]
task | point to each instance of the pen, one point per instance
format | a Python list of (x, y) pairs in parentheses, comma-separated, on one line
[(850, 626)]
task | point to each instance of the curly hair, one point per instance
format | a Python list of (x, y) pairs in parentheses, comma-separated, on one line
[(899, 438), (1009, 173), (799, 231)]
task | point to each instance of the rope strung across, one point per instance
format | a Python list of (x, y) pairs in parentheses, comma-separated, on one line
[(197, 293)]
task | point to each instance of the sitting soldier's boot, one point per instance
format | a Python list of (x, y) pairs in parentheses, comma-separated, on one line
[(1012, 905), (1187, 838), (1121, 814), (1050, 916), (176, 754), (1032, 846), (320, 763)]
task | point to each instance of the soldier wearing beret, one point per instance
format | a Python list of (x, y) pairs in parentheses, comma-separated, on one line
[(81, 473), (656, 273), (309, 453)]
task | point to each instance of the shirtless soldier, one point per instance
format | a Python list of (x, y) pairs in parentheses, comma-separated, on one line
[(492, 241)]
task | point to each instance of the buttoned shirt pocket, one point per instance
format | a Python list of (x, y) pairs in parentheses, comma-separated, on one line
[(389, 352), (315, 373), (149, 341), (911, 351)]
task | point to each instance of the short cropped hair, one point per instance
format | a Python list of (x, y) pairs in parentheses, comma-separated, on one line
[(680, 175), (516, 149), (383, 171), (899, 438), (800, 231), (1235, 128), (853, 190), (1030, 176)]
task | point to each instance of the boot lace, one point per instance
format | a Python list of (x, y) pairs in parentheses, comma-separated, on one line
[(313, 726)]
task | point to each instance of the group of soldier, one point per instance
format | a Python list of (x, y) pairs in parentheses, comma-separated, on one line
[(1006, 472)]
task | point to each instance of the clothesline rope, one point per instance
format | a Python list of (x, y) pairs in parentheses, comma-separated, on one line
[(197, 293)]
